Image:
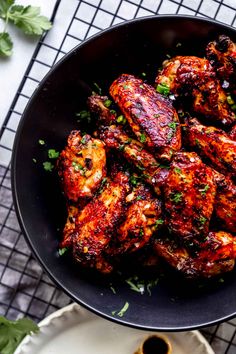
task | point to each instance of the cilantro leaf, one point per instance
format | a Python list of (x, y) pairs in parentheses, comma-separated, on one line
[(12, 333), (6, 44), (28, 19), (5, 6), (48, 166)]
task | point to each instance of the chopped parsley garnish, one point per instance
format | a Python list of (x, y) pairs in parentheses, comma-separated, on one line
[(163, 89), (144, 74), (62, 251), (204, 189), (230, 100), (107, 103), (41, 142), (99, 90), (83, 116), (112, 289), (178, 170), (78, 167), (48, 166), (53, 154), (34, 160), (159, 222), (176, 197), (136, 284), (141, 86), (133, 180), (112, 111), (197, 142), (156, 115), (202, 220), (121, 147), (139, 197), (178, 44), (173, 125), (125, 87), (83, 140), (151, 284), (121, 119), (142, 138), (122, 311), (141, 233)]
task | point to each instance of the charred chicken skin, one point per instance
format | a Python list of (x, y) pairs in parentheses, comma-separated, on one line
[(189, 195), (143, 218), (216, 255), (81, 166), (116, 138), (97, 222), (150, 115), (194, 77), (222, 55), (214, 144)]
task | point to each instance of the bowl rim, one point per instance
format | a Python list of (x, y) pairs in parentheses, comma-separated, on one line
[(26, 235)]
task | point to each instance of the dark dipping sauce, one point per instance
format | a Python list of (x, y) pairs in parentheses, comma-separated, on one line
[(155, 345)]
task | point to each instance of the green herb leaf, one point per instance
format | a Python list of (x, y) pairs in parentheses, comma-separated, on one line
[(173, 125), (83, 140), (48, 166), (6, 44), (159, 222), (41, 142), (163, 89), (28, 19), (4, 7), (12, 333), (133, 180), (177, 170), (204, 189), (142, 138), (107, 103), (62, 251), (53, 154), (83, 116), (122, 311), (98, 88), (121, 119), (136, 285), (176, 197), (202, 220)]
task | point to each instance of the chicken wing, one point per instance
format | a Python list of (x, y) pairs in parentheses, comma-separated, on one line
[(142, 219), (222, 55), (214, 144), (150, 115), (97, 104), (194, 77), (189, 195), (149, 168), (81, 166), (216, 255), (97, 222)]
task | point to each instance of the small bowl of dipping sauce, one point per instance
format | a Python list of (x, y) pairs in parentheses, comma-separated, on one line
[(155, 345)]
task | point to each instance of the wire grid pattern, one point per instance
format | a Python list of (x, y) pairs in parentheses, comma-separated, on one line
[(25, 290)]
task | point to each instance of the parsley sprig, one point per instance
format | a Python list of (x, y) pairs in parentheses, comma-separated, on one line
[(26, 18), (12, 333)]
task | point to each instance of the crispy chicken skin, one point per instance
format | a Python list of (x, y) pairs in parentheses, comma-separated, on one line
[(143, 218), (214, 144), (232, 133), (189, 195), (116, 138), (225, 202), (97, 222), (222, 55), (216, 255), (194, 77), (151, 170), (150, 115), (81, 166), (72, 212)]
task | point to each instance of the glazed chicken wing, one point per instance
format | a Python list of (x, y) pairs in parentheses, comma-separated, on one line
[(222, 55), (150, 115), (143, 217), (213, 144), (81, 166), (216, 255), (189, 195), (194, 77), (97, 222)]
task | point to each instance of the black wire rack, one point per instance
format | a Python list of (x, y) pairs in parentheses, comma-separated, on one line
[(25, 290)]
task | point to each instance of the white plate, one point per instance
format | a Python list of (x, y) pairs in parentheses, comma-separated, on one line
[(74, 330)]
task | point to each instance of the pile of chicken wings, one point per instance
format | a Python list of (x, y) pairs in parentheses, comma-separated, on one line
[(158, 173)]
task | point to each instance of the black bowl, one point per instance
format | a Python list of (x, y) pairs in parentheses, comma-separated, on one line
[(132, 47)]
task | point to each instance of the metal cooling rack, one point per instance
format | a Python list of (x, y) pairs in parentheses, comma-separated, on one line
[(24, 288)]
